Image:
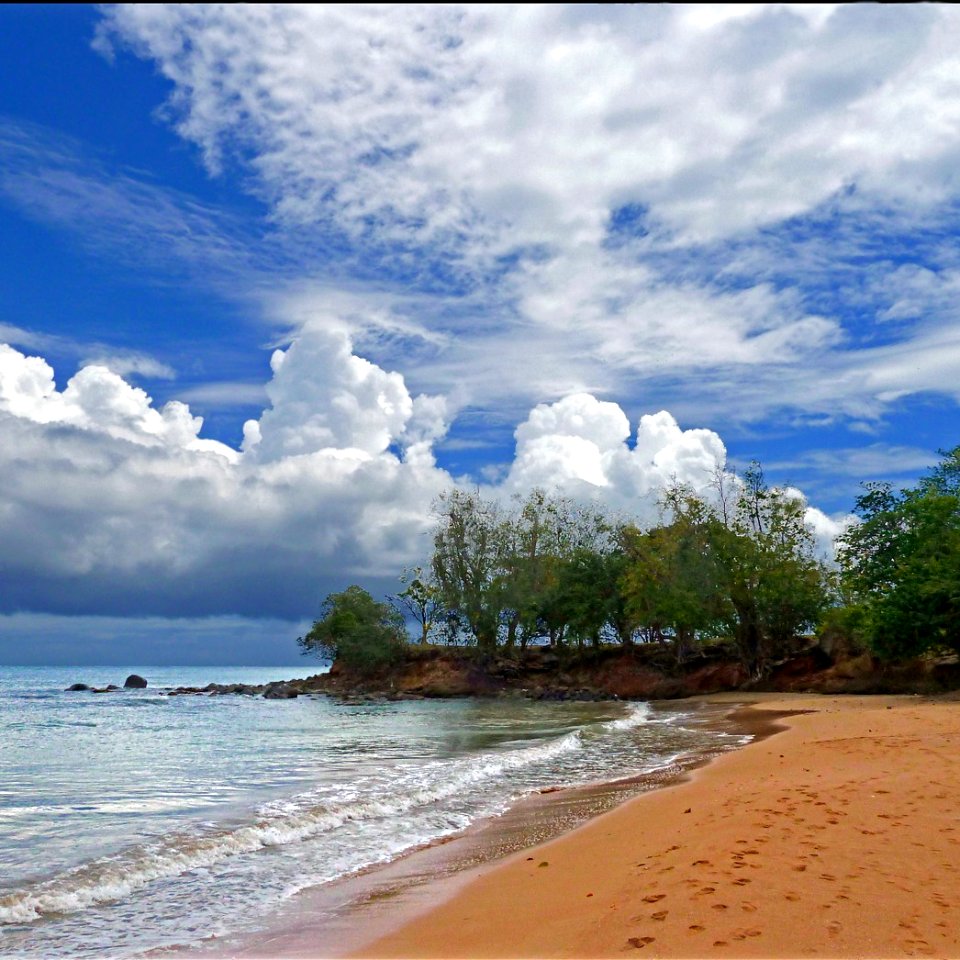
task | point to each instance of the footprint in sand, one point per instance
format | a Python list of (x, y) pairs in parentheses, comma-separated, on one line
[(701, 863), (639, 943), (741, 882), (748, 907), (707, 890), (719, 906), (653, 897), (720, 943), (792, 897), (659, 915), (697, 927)]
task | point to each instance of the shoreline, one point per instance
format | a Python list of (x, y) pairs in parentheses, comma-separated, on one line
[(339, 918), (837, 837)]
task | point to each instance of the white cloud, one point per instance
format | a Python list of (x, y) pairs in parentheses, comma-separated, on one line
[(540, 119), (97, 399), (448, 135), (127, 363), (579, 446), (111, 506), (109, 503), (323, 396)]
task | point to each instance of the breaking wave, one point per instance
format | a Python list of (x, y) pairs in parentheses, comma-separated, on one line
[(115, 877)]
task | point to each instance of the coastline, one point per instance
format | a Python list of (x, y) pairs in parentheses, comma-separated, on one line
[(837, 837), (339, 918)]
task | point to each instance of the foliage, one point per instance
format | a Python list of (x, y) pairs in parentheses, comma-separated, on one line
[(469, 548), (673, 581), (421, 599), (357, 631), (776, 585), (498, 571), (902, 562), (739, 564), (742, 565)]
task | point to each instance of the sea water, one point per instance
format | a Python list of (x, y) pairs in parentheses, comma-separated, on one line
[(131, 821)]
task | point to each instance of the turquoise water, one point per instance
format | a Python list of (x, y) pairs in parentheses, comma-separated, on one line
[(132, 820)]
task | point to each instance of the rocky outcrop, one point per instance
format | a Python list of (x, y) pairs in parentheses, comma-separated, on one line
[(134, 682), (275, 690), (643, 672)]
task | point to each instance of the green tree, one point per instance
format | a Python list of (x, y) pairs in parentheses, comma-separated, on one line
[(673, 581), (776, 585), (544, 533), (420, 598), (585, 590), (901, 562), (470, 544), (357, 631)]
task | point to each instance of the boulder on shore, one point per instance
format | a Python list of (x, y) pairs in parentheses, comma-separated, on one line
[(77, 686), (134, 681)]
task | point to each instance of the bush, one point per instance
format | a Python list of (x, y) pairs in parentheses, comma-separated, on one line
[(360, 633)]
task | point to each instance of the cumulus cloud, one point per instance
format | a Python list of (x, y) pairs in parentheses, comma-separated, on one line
[(97, 399), (111, 506), (580, 446)]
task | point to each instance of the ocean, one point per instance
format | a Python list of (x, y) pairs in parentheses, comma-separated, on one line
[(131, 821)]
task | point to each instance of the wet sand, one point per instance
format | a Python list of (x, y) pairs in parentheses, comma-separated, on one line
[(838, 837), (334, 919)]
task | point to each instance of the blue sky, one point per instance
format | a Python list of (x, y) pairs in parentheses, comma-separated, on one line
[(383, 251)]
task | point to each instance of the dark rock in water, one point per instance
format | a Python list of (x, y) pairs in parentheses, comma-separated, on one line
[(280, 691), (112, 686), (134, 681), (77, 686)]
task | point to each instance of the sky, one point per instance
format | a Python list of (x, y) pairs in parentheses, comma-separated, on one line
[(273, 278)]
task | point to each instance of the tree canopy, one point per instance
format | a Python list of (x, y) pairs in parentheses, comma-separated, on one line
[(357, 630), (737, 565), (901, 562)]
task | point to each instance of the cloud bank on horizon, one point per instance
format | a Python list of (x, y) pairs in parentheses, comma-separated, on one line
[(336, 479), (587, 223)]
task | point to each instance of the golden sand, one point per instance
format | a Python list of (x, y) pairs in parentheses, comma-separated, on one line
[(838, 837)]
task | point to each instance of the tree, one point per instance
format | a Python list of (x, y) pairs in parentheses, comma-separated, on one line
[(544, 533), (901, 562), (746, 568), (585, 588), (776, 585), (469, 549), (673, 581), (420, 598), (498, 571), (357, 631)]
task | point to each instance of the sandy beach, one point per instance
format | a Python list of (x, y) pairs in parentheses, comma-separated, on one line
[(836, 837)]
